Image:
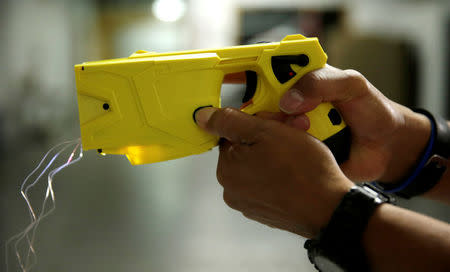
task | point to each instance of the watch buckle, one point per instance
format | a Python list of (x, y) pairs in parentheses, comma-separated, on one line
[(377, 190), (439, 161)]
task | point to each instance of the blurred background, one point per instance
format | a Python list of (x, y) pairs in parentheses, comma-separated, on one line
[(170, 216)]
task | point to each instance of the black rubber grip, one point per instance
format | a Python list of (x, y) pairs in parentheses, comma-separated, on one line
[(340, 144)]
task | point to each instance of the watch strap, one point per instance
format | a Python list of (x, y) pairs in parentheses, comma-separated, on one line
[(341, 240)]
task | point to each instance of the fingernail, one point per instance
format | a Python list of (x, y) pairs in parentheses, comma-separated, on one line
[(302, 121), (202, 115), (291, 102)]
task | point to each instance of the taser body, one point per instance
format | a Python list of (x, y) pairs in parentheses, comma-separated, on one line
[(142, 106)]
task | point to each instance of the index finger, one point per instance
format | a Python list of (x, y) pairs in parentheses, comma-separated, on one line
[(328, 84)]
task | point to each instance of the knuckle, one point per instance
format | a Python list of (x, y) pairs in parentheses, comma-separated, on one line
[(220, 175), (224, 117), (230, 200), (223, 176), (355, 77), (352, 73), (249, 216), (310, 81), (227, 113), (265, 131)]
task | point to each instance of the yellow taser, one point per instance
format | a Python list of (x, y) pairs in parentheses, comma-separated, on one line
[(142, 106)]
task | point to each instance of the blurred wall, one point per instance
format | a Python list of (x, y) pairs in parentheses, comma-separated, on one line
[(424, 24)]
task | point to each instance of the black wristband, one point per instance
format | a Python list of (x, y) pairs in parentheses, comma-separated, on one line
[(431, 166), (340, 243)]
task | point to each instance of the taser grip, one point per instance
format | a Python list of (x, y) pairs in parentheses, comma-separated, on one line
[(326, 118), (142, 106)]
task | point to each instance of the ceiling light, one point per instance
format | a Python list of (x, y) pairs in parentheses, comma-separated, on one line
[(169, 10)]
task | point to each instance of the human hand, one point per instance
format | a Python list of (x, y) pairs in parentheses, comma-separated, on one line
[(387, 138), (275, 174)]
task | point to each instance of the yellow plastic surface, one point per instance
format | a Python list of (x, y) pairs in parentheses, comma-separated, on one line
[(142, 106)]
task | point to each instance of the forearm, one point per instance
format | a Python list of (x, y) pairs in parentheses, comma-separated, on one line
[(406, 144), (400, 240)]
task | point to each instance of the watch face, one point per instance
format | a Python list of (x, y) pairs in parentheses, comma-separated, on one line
[(326, 265)]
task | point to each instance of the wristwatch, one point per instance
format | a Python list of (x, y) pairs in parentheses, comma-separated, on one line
[(339, 245), (432, 164)]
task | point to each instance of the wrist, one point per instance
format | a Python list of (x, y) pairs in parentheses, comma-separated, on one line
[(432, 164), (407, 146), (327, 203), (340, 243)]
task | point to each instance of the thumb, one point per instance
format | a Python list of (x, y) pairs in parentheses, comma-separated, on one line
[(328, 84), (230, 123)]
